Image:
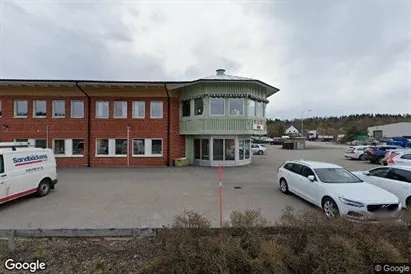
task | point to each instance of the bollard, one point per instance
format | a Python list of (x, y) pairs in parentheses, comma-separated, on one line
[(12, 240)]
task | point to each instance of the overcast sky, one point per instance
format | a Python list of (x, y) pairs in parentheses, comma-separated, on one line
[(333, 57)]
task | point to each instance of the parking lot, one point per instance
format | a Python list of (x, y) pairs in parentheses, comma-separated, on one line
[(151, 197)]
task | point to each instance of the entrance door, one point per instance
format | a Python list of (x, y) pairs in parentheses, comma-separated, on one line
[(3, 181)]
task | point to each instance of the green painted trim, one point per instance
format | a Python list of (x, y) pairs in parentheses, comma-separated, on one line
[(221, 95)]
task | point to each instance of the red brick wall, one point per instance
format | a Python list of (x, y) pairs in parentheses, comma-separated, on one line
[(35, 128)]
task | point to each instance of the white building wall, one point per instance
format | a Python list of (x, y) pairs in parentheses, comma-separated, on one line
[(392, 130)]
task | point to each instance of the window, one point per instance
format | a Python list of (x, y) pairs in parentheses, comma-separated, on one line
[(247, 149), (401, 175), (139, 147), (336, 175), (21, 140), (205, 149), (78, 147), (77, 109), (59, 109), (251, 108), (259, 110), (236, 106), (289, 166), (406, 156), (197, 149), (186, 108), (139, 109), (121, 146), (120, 109), (218, 149), (229, 154), (241, 149), (306, 171), (59, 147), (217, 106), (156, 109), (147, 147), (40, 108), (40, 143), (1, 164), (198, 106), (102, 109), (296, 168), (20, 108), (102, 147), (380, 172)]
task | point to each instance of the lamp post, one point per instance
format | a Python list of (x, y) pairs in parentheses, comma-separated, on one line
[(302, 121)]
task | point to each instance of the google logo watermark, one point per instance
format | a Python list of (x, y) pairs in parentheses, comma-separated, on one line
[(32, 267)]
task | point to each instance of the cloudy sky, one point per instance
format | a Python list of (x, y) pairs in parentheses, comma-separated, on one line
[(333, 57)]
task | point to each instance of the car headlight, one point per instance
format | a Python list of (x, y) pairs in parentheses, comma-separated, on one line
[(351, 203)]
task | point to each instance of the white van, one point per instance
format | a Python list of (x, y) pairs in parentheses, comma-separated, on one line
[(25, 171)]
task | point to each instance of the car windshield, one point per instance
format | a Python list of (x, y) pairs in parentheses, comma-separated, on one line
[(336, 176)]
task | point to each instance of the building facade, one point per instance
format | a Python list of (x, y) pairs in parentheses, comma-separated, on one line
[(390, 130), (100, 123)]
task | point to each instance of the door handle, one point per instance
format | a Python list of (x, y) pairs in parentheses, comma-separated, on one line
[(3, 175)]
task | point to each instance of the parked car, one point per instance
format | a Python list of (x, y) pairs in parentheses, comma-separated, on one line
[(377, 154), (397, 157), (395, 179), (337, 191), (258, 149), (277, 141), (355, 152)]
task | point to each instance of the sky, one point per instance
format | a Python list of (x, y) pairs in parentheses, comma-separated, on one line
[(331, 57)]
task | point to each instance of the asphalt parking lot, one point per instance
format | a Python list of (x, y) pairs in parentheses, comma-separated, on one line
[(151, 197)]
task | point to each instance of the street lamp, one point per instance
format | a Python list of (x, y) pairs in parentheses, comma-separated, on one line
[(302, 121)]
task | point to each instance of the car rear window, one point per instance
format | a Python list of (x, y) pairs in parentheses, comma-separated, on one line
[(401, 175)]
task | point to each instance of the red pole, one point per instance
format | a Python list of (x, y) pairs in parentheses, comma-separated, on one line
[(220, 192)]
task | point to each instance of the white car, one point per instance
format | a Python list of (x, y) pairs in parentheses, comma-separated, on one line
[(395, 179), (355, 152), (401, 158), (258, 149), (337, 191)]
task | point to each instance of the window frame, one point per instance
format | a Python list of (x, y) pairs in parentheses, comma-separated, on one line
[(203, 106), (34, 109), (133, 110), (123, 103), (107, 103), (115, 147), (189, 108), (148, 148), (229, 107), (68, 148), (151, 110), (53, 109), (72, 102), (224, 106), (54, 147), (15, 103), (249, 101)]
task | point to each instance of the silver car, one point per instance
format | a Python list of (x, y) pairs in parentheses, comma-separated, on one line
[(258, 149)]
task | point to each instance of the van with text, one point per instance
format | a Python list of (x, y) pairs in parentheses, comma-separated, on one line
[(25, 170)]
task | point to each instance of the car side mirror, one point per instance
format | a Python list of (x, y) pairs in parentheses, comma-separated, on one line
[(367, 173), (311, 178)]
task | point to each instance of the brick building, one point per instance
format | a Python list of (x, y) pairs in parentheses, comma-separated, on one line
[(98, 123)]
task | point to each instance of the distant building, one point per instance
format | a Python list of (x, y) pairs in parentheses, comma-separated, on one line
[(390, 130), (291, 130)]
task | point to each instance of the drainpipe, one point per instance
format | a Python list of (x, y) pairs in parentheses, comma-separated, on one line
[(88, 125), (168, 123), (128, 145)]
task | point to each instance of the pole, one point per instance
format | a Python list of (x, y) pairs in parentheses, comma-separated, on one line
[(220, 192), (47, 136)]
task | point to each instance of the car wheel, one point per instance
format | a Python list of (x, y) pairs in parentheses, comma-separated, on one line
[(284, 186), (330, 208), (362, 157), (44, 188), (408, 203), (260, 152)]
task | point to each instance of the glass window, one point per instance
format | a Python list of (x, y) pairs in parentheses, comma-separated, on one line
[(406, 156), (20, 108), (229, 150), (1, 164), (59, 108), (236, 106), (78, 147), (120, 109), (306, 171), (336, 175), (101, 109), (198, 106), (59, 147), (218, 149), (241, 149), (40, 108), (102, 147), (157, 147), (247, 149), (186, 105), (156, 109), (197, 149), (217, 106), (401, 175), (139, 147), (205, 149), (77, 109), (121, 147), (380, 172), (21, 140), (139, 109), (251, 107), (40, 143), (259, 111), (296, 168)]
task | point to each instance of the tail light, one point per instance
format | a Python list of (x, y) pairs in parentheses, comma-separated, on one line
[(391, 158), (371, 152)]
